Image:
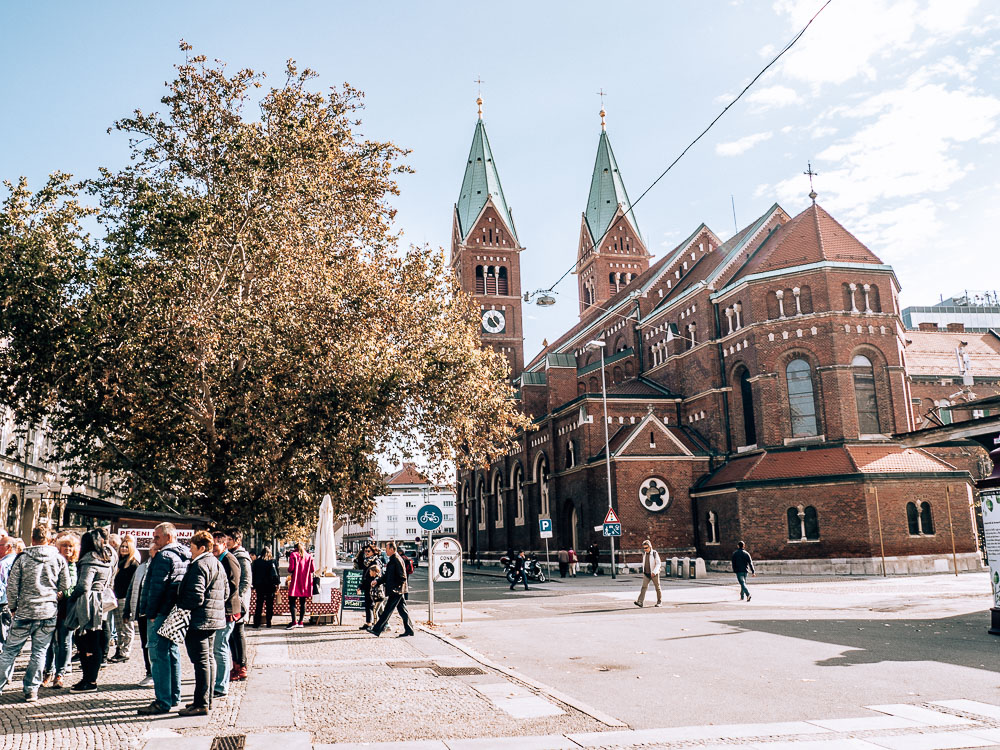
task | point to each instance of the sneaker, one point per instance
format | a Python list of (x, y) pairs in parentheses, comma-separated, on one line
[(57, 682), (30, 697), (300, 625), (84, 687), (657, 604), (638, 604), (290, 626), (748, 597), (366, 626), (215, 694), (242, 675), (146, 681), (46, 679)]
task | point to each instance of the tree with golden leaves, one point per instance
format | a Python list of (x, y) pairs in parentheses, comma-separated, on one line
[(244, 333)]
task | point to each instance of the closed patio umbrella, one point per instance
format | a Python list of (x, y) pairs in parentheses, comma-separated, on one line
[(326, 545)]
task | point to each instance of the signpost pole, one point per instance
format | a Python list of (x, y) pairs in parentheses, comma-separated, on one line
[(430, 577), (461, 587), (548, 565)]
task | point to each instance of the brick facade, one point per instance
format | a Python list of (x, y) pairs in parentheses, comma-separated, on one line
[(747, 377)]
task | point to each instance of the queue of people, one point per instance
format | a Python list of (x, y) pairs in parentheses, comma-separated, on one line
[(95, 593)]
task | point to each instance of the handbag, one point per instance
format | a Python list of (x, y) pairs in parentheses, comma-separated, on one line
[(109, 602), (315, 585), (175, 625)]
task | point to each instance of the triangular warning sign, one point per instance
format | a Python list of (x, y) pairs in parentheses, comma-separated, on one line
[(611, 517)]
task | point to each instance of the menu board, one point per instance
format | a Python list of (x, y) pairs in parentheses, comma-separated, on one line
[(991, 536)]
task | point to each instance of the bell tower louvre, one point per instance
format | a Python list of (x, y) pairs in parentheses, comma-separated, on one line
[(485, 251), (611, 251)]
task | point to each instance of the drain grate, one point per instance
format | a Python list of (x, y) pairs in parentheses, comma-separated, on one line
[(229, 742), (409, 665), (456, 671)]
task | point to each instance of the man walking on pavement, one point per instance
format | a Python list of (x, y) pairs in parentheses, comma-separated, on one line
[(650, 572), (36, 579), (394, 580), (157, 598), (7, 556), (520, 569), (742, 564)]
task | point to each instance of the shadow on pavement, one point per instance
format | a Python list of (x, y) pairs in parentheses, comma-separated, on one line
[(959, 641)]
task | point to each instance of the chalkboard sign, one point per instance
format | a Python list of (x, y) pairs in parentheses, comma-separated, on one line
[(349, 583)]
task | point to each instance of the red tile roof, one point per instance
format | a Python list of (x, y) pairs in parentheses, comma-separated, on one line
[(810, 237), (638, 387), (808, 463), (891, 459), (407, 475), (733, 471)]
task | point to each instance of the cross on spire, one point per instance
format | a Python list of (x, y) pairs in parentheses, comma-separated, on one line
[(602, 93), (479, 98), (809, 171)]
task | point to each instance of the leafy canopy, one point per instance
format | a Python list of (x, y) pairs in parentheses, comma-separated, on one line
[(245, 334)]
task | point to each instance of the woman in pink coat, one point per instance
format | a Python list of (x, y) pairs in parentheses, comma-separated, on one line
[(300, 582)]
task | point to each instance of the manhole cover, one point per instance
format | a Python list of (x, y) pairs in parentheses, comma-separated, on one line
[(408, 665), (229, 742), (456, 671)]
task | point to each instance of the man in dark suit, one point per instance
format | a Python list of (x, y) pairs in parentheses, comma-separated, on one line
[(394, 580)]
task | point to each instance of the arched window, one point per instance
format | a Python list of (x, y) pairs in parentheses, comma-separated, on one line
[(619, 344), (542, 478), (518, 486), (617, 375), (502, 285), (848, 298), (581, 388), (874, 300), (801, 401), (803, 524), (481, 498), (864, 395), (480, 281), (595, 387), (746, 399), (498, 498), (806, 300), (919, 519), (629, 369), (711, 528)]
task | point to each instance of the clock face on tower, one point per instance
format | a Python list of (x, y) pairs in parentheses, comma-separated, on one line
[(494, 321)]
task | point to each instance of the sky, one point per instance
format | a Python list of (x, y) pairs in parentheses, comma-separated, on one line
[(896, 103)]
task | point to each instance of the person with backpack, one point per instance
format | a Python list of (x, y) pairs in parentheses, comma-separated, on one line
[(157, 598)]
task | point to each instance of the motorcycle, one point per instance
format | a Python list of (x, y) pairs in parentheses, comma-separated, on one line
[(533, 570)]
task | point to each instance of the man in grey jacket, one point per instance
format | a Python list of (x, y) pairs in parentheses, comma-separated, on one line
[(36, 578), (238, 638)]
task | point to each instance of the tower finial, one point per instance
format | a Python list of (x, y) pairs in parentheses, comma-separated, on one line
[(601, 93), (809, 171), (479, 98)]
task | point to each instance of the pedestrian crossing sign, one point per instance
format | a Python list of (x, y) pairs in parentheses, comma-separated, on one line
[(612, 517)]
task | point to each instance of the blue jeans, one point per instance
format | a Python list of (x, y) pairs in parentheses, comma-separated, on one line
[(165, 659), (744, 591), (57, 658), (40, 633), (223, 658)]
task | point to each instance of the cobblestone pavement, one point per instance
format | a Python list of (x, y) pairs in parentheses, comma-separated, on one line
[(335, 683)]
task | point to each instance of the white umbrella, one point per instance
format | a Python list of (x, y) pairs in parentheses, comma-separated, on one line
[(326, 545)]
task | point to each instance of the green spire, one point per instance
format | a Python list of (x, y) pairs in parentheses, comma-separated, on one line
[(607, 190), (480, 183)]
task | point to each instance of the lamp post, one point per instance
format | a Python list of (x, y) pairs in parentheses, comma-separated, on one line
[(599, 345)]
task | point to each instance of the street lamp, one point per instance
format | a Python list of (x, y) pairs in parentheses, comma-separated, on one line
[(600, 345)]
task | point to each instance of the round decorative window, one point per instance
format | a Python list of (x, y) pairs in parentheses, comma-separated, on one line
[(654, 495)]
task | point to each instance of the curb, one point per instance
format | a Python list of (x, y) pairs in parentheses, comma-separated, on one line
[(593, 713)]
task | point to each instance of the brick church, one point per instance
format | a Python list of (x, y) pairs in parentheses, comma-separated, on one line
[(754, 386)]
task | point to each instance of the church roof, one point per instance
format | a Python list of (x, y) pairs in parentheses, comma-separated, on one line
[(481, 183), (933, 353), (607, 192), (811, 237)]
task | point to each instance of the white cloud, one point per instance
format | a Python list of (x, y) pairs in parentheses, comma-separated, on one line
[(771, 97), (741, 145)]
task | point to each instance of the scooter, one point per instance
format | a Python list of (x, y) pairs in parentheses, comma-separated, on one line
[(531, 568)]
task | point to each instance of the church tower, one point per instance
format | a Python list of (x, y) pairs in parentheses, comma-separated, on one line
[(611, 251), (485, 251)]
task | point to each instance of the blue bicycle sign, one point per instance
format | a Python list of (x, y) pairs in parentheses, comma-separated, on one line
[(430, 517)]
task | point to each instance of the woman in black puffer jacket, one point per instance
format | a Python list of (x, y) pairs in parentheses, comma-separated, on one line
[(203, 593)]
